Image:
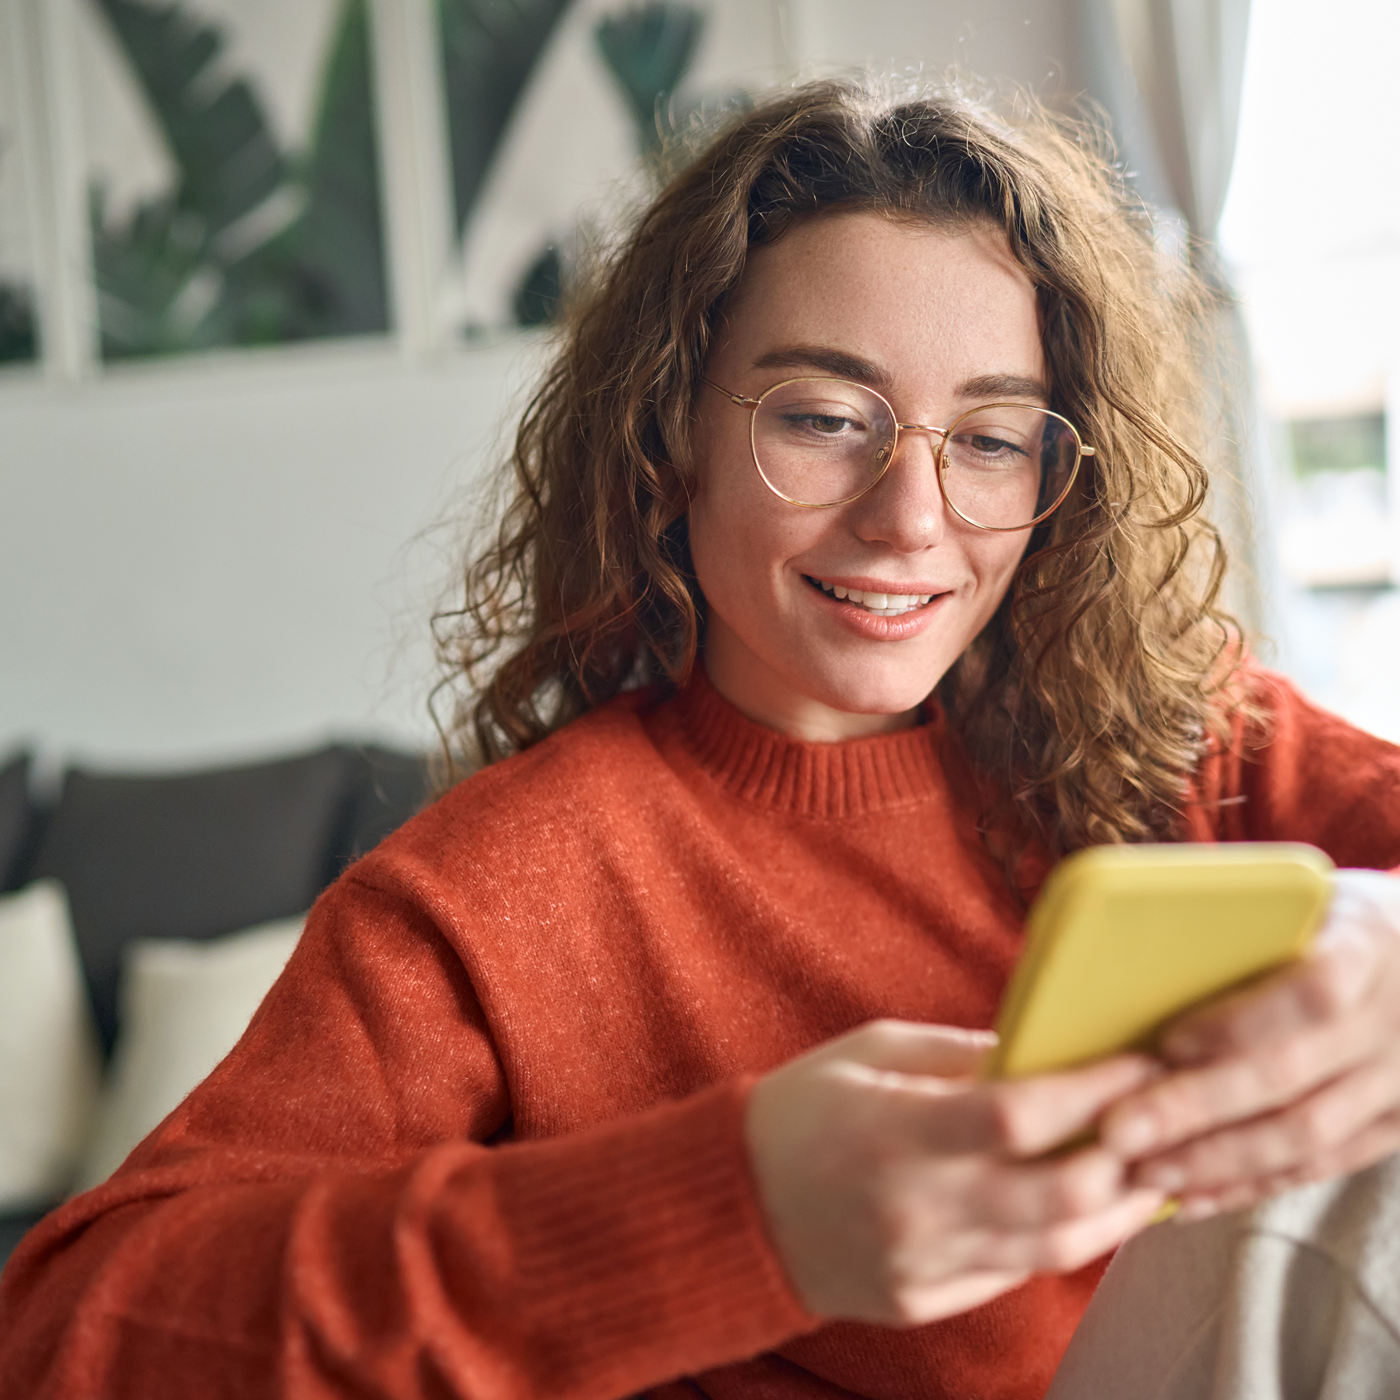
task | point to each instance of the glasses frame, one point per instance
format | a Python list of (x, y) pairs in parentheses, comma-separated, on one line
[(941, 459)]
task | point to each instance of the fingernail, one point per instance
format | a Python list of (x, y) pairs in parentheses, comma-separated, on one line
[(1197, 1209), (1132, 1134)]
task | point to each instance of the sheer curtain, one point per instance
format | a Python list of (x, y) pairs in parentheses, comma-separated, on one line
[(1169, 75)]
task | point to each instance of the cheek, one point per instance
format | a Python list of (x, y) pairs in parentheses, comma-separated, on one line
[(745, 547), (705, 536), (729, 561), (741, 535), (706, 522), (994, 559), (1004, 553), (725, 566)]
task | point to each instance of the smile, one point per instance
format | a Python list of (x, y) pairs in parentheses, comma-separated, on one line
[(881, 604)]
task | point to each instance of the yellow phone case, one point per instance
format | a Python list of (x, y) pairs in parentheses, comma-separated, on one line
[(1124, 938)]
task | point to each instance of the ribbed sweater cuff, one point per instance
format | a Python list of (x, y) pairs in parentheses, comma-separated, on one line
[(639, 1252)]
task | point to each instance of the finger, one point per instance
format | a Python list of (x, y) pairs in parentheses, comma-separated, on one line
[(908, 1047), (1238, 1197), (1009, 1196), (1070, 1244), (1194, 1102), (1376, 1141), (1303, 1132), (1025, 1117), (1022, 1118), (1309, 993)]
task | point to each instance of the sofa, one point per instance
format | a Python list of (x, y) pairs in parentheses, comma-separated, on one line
[(156, 877)]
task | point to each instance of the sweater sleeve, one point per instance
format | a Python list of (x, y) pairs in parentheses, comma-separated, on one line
[(1302, 774), (327, 1215)]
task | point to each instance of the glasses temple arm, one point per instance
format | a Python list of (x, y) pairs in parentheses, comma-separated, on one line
[(739, 399)]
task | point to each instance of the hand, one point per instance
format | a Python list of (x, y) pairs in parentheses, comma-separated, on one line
[(898, 1189), (1293, 1080)]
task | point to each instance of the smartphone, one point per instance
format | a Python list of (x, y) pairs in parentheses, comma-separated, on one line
[(1123, 939)]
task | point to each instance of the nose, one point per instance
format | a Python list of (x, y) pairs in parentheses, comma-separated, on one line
[(904, 510)]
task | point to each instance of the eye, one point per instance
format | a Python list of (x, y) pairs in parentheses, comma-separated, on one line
[(816, 426), (818, 422), (986, 447), (828, 423), (984, 443)]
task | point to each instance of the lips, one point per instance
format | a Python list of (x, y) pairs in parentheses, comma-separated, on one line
[(880, 604)]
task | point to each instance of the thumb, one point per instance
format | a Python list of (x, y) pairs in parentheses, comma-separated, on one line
[(908, 1047)]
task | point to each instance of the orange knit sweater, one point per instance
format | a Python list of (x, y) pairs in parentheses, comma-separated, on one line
[(484, 1139)]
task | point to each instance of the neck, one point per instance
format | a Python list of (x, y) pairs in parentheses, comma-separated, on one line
[(762, 696)]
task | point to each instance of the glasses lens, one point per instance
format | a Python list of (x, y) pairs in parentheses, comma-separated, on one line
[(819, 442), (1007, 465)]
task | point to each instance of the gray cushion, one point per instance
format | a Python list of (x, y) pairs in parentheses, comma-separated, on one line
[(13, 1229), (16, 818), (390, 786), (192, 855)]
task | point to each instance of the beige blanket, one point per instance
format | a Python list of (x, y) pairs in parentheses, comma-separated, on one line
[(1298, 1299)]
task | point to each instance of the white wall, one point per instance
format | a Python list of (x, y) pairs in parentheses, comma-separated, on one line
[(224, 556), (1030, 42)]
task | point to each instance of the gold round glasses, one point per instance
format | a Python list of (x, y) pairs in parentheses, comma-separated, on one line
[(820, 443)]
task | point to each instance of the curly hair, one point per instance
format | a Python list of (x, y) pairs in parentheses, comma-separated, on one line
[(1089, 699)]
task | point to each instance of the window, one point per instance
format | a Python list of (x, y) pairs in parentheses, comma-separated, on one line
[(1312, 230), (1335, 531), (18, 314)]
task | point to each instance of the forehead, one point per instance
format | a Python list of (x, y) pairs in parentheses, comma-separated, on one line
[(920, 299)]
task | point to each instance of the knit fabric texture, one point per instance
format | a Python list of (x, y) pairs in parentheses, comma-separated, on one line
[(485, 1136)]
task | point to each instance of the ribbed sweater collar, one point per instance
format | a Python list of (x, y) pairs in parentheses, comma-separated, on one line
[(768, 769)]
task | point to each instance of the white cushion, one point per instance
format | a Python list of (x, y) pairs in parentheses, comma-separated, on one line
[(49, 1059), (183, 1006)]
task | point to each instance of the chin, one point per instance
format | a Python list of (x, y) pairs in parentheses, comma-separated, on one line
[(870, 695)]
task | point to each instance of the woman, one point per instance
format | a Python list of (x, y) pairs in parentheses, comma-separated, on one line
[(644, 1061)]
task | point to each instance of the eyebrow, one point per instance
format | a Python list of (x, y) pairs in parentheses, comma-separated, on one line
[(1004, 386), (830, 361), (844, 365)]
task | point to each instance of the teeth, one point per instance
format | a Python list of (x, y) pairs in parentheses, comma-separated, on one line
[(881, 604)]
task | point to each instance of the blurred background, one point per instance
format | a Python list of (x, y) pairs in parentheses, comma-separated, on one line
[(273, 279)]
